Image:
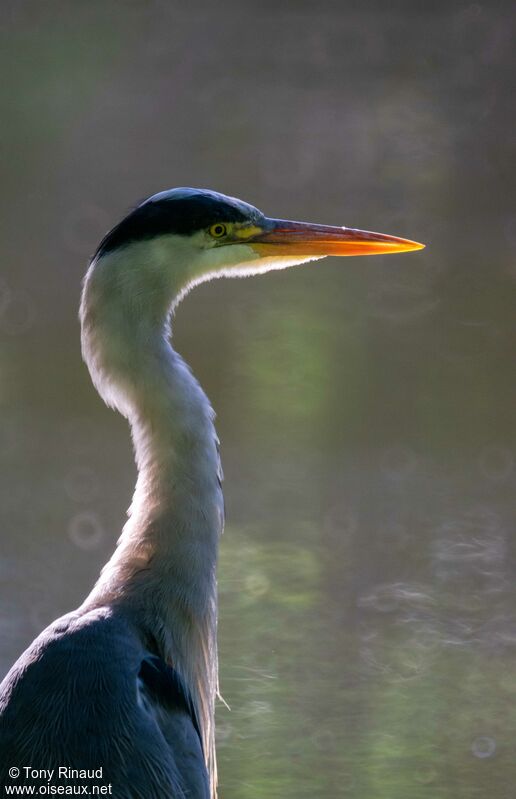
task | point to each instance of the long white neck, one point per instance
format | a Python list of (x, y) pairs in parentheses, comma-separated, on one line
[(163, 572)]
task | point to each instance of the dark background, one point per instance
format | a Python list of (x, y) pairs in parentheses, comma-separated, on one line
[(365, 406)]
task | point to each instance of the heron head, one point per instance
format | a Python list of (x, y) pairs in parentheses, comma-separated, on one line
[(175, 240), (196, 234)]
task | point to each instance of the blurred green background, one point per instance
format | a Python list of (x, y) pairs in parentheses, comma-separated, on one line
[(365, 406)]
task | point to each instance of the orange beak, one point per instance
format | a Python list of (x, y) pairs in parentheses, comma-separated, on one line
[(281, 237)]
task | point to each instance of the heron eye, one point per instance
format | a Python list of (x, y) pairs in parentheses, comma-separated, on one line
[(218, 230)]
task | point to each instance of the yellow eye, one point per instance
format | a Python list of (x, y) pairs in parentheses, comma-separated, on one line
[(218, 230)]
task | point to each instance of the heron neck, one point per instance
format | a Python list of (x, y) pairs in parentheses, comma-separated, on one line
[(164, 566), (162, 574)]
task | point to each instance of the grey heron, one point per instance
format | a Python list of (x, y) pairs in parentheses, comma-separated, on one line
[(126, 684)]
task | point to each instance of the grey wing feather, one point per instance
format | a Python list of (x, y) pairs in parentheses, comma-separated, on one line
[(87, 695), (164, 694)]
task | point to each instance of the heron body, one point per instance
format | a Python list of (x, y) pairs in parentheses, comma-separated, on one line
[(127, 682)]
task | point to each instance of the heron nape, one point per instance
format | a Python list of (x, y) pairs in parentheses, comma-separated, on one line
[(127, 682)]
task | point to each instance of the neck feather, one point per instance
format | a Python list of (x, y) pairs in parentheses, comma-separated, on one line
[(163, 572)]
